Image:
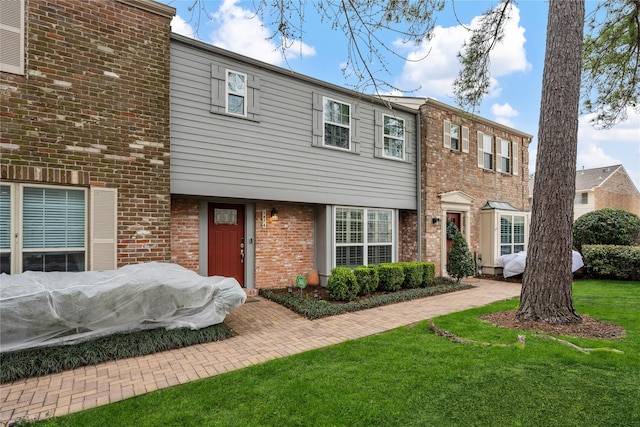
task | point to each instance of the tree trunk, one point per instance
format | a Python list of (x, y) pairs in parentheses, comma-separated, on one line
[(546, 287)]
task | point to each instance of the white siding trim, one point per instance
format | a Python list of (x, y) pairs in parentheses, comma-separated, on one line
[(104, 228)]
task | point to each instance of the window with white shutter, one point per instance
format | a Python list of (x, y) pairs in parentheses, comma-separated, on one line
[(12, 36)]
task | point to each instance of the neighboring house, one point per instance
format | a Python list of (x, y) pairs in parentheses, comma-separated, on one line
[(605, 187), (274, 173), (474, 173), (138, 145), (84, 110)]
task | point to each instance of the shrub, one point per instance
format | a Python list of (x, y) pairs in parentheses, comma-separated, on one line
[(460, 261), (391, 276), (612, 262), (428, 273), (606, 227), (367, 278), (413, 272), (342, 284)]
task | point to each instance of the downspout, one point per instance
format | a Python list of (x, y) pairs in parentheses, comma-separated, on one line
[(419, 184)]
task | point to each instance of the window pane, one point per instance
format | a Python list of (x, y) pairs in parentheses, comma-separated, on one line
[(5, 263), (236, 104), (518, 229), (393, 127), (53, 218), (53, 261), (236, 83), (349, 256), (349, 226), (336, 136), (336, 112), (505, 250), (505, 229), (455, 137), (394, 148), (379, 254), (379, 226), (518, 248)]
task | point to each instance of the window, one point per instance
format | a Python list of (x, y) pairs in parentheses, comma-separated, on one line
[(581, 199), (505, 156), (337, 124), (393, 137), (354, 246), (12, 36), (236, 93), (51, 223), (487, 151), (511, 234), (456, 137)]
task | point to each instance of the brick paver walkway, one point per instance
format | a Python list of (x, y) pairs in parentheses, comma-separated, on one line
[(265, 331)]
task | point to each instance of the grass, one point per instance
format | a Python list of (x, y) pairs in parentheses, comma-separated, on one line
[(411, 377)]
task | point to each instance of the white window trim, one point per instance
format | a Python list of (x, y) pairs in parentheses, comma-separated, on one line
[(481, 151), (16, 215), (512, 244), (365, 244), (403, 139), (324, 121), (7, 28), (240, 94)]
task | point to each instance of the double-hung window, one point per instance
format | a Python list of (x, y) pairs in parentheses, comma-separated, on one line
[(455, 137), (236, 93), (581, 199), (337, 124), (512, 234), (51, 225), (363, 236), (485, 151), (393, 137), (505, 156)]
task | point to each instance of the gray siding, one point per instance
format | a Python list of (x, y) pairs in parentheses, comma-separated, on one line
[(272, 156)]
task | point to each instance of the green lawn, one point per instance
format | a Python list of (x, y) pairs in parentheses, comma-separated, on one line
[(411, 377)]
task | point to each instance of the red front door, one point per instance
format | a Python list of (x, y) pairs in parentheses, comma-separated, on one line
[(226, 241)]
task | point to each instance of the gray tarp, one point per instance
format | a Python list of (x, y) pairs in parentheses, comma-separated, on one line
[(514, 264), (38, 309)]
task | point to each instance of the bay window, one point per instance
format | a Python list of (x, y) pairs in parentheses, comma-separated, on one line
[(512, 231)]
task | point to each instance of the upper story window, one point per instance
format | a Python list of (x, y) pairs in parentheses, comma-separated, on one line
[(505, 155), (485, 151), (497, 154), (12, 36), (581, 199), (337, 124), (394, 140), (236, 93), (455, 137)]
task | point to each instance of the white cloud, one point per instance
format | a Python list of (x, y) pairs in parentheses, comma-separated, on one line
[(240, 30), (436, 73), (180, 26), (592, 156)]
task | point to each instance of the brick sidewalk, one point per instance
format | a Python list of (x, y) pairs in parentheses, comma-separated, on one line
[(265, 331)]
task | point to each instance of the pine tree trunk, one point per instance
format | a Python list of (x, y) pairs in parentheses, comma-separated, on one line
[(546, 287)]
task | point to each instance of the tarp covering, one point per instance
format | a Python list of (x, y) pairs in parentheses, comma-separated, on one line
[(38, 309), (514, 264)]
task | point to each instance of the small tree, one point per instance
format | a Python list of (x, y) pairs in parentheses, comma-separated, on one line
[(460, 262)]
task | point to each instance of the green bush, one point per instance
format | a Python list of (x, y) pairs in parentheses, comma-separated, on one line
[(342, 284), (606, 227), (460, 261), (368, 279), (391, 277), (428, 273), (612, 261), (413, 272)]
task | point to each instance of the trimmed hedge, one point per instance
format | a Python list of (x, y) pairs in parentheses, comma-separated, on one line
[(391, 277), (342, 284), (413, 272), (612, 261), (606, 227), (368, 279), (428, 274)]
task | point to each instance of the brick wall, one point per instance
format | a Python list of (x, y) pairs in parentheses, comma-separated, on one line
[(185, 233), (94, 101), (408, 231), (618, 192), (285, 248), (445, 170)]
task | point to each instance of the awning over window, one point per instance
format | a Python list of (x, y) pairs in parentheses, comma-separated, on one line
[(501, 206)]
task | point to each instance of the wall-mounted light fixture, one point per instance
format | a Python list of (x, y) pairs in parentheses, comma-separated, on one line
[(274, 214), (435, 220)]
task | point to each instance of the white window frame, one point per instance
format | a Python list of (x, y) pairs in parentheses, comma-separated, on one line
[(229, 92), (365, 244), (12, 35), (502, 146), (463, 137), (581, 198), (17, 249), (482, 138), (512, 243), (386, 137), (332, 123)]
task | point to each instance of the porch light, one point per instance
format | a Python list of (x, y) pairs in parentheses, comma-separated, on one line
[(274, 214), (435, 220)]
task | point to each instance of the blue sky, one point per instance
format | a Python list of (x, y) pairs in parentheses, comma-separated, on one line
[(516, 65)]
